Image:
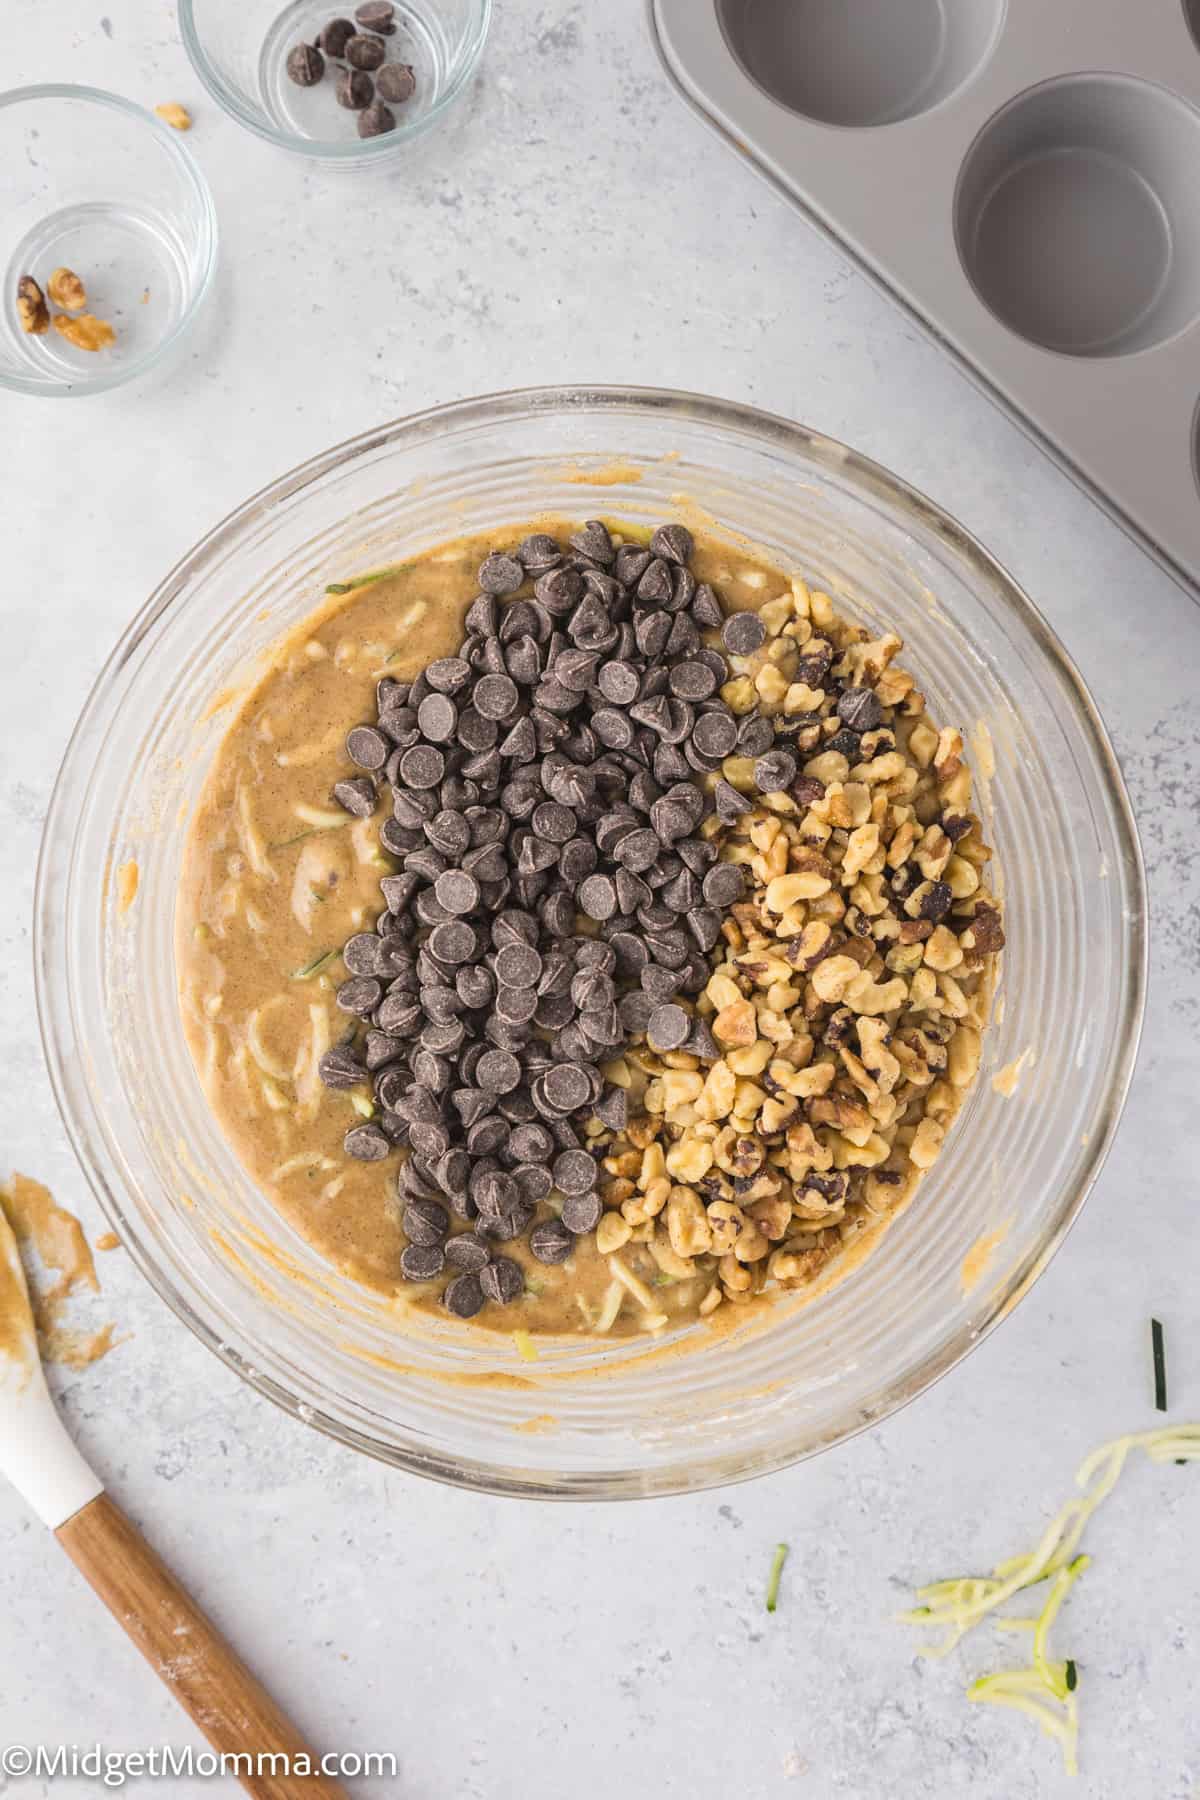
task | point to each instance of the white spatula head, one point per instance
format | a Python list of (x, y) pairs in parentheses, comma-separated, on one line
[(35, 1452)]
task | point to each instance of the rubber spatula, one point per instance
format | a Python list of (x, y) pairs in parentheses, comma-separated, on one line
[(230, 1706)]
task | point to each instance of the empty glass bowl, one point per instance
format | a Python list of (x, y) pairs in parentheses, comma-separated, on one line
[(240, 49), (592, 1418), (97, 185)]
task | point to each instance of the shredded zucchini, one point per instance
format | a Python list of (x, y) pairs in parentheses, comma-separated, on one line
[(310, 969), (361, 581), (1046, 1690), (777, 1562)]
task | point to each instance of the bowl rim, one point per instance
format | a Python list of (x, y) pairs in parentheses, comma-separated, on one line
[(367, 150), (56, 859), (209, 239)]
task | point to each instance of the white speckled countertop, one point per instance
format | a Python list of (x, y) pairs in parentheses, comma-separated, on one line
[(502, 1649)]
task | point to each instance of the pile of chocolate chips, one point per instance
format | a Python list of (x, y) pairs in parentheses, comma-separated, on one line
[(368, 82), (554, 896)]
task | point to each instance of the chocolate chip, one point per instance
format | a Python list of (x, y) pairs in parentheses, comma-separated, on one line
[(423, 766), (673, 542), (305, 65), (534, 1182), (454, 942), (518, 965), (465, 1251), (425, 1222), (423, 1262), (340, 1068), (457, 892), (366, 1143), (334, 37), (356, 796), (704, 923), (539, 552), (593, 541), (502, 1280), (692, 681), (463, 1296), (378, 16), (574, 1172), (437, 716), (399, 1013), (551, 1242), (496, 697), (613, 1109), (619, 682), (860, 709), (376, 120), (567, 1086), (706, 608), (364, 52), (360, 996), (635, 1010), (638, 851), (559, 589), (453, 1172), (743, 633), (774, 772), (500, 574), (668, 1027), (530, 1143), (354, 89), (498, 1071), (429, 1139), (724, 884), (503, 1227), (598, 897), (581, 1212)]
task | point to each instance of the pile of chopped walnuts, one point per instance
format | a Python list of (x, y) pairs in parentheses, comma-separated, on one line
[(848, 994)]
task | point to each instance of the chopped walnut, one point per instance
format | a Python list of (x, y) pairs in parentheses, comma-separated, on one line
[(32, 311), (66, 290), (86, 332), (850, 983)]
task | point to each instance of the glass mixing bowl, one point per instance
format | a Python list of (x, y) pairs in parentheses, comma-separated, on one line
[(588, 1419)]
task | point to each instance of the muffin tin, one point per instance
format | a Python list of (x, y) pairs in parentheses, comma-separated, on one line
[(1023, 178)]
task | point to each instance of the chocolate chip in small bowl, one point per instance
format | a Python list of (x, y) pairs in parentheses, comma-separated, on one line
[(354, 52)]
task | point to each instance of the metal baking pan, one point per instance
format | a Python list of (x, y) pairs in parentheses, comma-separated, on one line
[(1023, 177)]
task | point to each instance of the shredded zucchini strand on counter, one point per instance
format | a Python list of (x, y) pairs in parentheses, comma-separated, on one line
[(1045, 1691)]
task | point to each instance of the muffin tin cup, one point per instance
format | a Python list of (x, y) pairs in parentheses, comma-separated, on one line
[(1022, 179)]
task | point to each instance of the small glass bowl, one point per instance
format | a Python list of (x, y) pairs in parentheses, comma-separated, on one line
[(593, 1418), (239, 49), (97, 185)]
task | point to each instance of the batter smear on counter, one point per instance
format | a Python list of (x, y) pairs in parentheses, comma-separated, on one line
[(586, 929)]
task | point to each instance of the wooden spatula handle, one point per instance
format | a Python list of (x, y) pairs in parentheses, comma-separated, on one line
[(228, 1703)]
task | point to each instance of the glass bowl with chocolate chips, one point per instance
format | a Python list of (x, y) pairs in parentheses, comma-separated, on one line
[(350, 87), (561, 935)]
